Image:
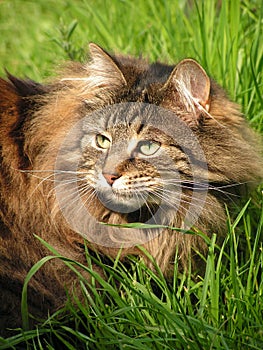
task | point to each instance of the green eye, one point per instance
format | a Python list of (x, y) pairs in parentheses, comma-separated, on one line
[(148, 148), (103, 141)]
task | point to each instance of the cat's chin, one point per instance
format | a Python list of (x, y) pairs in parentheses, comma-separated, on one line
[(120, 204)]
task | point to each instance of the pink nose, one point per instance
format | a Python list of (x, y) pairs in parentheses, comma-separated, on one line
[(110, 178)]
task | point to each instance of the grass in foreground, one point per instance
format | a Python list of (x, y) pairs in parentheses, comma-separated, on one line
[(135, 308)]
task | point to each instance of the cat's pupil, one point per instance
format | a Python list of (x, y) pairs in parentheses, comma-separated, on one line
[(146, 97)]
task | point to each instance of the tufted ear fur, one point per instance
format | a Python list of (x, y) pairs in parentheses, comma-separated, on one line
[(194, 79), (190, 85), (104, 70)]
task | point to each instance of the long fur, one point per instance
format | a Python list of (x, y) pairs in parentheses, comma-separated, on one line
[(34, 120)]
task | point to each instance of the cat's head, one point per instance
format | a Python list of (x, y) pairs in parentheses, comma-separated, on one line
[(149, 137), (137, 154), (130, 162)]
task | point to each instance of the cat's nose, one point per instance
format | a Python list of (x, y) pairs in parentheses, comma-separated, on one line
[(110, 178)]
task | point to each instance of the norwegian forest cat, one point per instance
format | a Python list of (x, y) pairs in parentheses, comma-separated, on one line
[(116, 140)]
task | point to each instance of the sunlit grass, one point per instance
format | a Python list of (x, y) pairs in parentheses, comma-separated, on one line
[(135, 308)]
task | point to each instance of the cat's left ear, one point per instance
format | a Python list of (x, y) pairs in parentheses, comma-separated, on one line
[(104, 69), (192, 83)]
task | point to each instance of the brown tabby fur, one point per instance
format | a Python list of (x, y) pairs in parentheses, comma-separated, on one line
[(34, 121)]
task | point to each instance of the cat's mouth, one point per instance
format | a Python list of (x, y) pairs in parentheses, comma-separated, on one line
[(124, 197), (126, 202)]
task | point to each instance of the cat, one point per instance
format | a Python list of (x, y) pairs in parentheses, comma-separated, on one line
[(114, 141)]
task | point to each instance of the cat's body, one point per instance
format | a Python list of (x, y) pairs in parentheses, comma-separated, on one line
[(120, 148)]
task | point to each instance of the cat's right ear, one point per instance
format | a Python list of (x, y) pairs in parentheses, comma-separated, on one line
[(104, 69), (189, 85)]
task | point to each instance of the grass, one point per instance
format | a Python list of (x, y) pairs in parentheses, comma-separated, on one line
[(136, 308)]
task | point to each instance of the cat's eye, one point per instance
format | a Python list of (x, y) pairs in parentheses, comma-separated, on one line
[(103, 141), (148, 148)]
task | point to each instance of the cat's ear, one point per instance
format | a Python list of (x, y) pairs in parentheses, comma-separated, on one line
[(104, 69), (192, 85), (9, 98), (13, 91), (193, 77), (26, 87)]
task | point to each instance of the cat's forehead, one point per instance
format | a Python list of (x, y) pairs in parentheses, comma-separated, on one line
[(126, 121), (118, 118)]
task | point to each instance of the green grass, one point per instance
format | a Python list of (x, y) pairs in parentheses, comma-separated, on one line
[(135, 308)]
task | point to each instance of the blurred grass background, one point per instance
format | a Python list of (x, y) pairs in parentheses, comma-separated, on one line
[(224, 36)]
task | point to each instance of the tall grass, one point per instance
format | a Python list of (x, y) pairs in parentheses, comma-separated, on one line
[(136, 308)]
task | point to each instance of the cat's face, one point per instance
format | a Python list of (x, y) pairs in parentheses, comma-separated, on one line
[(150, 143), (130, 163)]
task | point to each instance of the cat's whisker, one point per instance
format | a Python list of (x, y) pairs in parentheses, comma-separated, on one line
[(165, 199), (53, 171), (177, 205), (176, 208), (206, 187), (73, 197), (147, 204), (203, 185), (172, 194), (67, 184), (87, 199), (177, 202), (47, 178), (84, 190), (68, 199), (69, 181), (220, 188), (181, 195), (193, 203)]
